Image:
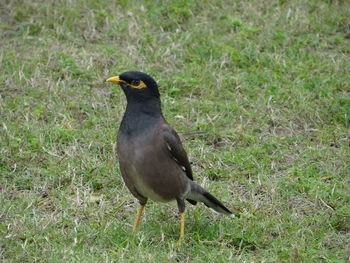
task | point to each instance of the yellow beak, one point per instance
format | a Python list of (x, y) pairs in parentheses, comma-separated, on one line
[(114, 79)]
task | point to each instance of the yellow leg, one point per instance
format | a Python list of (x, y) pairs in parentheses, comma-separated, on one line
[(138, 218), (182, 228)]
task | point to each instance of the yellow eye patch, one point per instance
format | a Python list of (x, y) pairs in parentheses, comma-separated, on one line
[(135, 84), (138, 84)]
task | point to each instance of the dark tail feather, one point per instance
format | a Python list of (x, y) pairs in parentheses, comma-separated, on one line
[(192, 202), (201, 195), (214, 203)]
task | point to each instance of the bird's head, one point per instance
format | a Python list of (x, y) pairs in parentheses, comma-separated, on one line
[(137, 85)]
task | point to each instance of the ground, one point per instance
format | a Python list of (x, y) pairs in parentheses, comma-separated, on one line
[(258, 90)]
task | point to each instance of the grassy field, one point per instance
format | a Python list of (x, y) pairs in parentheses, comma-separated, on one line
[(258, 90)]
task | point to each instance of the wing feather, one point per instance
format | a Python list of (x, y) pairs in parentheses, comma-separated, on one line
[(176, 150)]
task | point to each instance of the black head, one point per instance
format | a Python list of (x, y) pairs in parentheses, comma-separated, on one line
[(137, 86)]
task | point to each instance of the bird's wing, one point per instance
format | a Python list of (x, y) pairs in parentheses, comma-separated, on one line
[(176, 149)]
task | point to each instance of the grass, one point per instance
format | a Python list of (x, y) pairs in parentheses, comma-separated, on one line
[(259, 90)]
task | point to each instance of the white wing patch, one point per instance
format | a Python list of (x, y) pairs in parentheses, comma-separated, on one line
[(176, 160)]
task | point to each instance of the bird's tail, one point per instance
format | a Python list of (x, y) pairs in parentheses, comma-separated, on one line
[(201, 195)]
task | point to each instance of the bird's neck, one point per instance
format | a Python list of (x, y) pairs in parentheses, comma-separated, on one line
[(139, 116)]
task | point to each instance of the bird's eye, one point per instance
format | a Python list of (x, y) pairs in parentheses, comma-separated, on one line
[(135, 82)]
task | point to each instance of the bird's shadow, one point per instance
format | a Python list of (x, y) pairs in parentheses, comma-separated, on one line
[(160, 227), (199, 226)]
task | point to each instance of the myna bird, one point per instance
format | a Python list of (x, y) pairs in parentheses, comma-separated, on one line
[(153, 162)]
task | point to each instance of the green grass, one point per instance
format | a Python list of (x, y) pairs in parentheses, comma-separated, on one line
[(266, 83)]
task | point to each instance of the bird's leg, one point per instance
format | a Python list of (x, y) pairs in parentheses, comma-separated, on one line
[(182, 225), (138, 218), (181, 206)]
